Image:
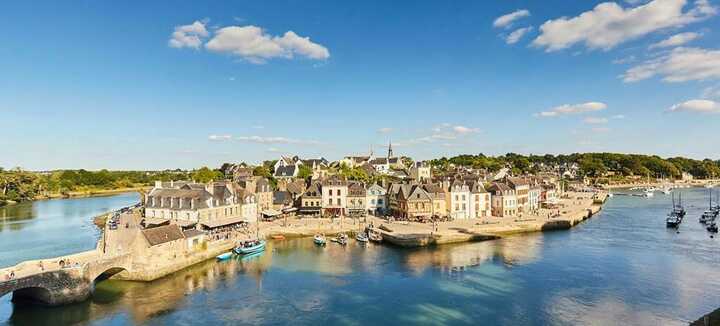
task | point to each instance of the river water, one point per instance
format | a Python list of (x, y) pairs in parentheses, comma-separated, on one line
[(622, 267)]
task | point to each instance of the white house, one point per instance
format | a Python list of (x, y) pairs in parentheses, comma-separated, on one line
[(376, 200)]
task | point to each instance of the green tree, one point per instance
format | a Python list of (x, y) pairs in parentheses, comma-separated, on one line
[(204, 175)]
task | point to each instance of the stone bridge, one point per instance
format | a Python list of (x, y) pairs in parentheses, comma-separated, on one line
[(60, 280)]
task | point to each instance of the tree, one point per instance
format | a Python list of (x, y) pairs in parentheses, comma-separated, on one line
[(305, 171), (262, 171), (204, 175)]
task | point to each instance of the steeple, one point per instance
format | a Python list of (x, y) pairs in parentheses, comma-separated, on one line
[(390, 153)]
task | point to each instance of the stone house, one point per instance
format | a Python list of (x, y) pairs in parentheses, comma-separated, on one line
[(334, 196), (504, 200), (311, 200), (192, 203), (356, 205), (522, 192)]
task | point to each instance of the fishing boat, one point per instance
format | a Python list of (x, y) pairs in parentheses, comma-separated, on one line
[(361, 237), (278, 237), (712, 227), (341, 239), (249, 247), (319, 240), (707, 216), (224, 256), (374, 235), (678, 209), (673, 221)]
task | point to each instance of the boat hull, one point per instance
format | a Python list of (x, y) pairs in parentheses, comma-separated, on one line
[(250, 250)]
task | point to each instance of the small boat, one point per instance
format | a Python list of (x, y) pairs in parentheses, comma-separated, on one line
[(707, 216), (673, 221), (361, 237), (374, 236), (712, 227), (342, 239), (224, 256), (648, 193), (278, 237), (319, 240), (249, 247)]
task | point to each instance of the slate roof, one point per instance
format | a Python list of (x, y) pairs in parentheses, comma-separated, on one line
[(163, 234), (285, 171), (356, 189)]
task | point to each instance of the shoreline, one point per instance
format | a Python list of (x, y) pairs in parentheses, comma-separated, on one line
[(413, 234), (77, 194)]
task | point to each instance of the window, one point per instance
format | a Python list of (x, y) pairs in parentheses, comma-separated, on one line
[(463, 197), (372, 201), (338, 200), (330, 201), (380, 201), (338, 192)]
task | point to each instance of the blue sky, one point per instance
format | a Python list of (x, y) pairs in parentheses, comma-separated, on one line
[(166, 84)]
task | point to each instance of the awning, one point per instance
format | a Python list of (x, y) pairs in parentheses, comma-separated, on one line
[(156, 221), (224, 222), (289, 210), (271, 212)]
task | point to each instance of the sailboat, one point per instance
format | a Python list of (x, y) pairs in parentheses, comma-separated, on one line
[(251, 246), (710, 214), (676, 215)]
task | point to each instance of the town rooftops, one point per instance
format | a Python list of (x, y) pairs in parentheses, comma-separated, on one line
[(518, 182), (163, 234), (335, 180), (285, 171)]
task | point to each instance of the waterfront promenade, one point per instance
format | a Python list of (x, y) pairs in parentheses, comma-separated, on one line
[(574, 208)]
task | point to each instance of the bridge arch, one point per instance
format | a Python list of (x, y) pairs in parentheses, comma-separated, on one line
[(33, 295), (108, 273)]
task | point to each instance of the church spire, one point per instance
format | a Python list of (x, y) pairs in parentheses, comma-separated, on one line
[(390, 153)]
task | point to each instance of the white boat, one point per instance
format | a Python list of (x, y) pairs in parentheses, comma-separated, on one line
[(709, 185), (361, 237), (649, 193)]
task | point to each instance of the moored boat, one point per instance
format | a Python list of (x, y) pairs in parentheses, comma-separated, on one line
[(374, 235), (712, 227), (319, 240), (361, 237), (248, 247), (341, 239), (224, 256)]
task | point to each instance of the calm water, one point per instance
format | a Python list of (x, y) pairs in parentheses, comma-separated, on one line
[(621, 267)]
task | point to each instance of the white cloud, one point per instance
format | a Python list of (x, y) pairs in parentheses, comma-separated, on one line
[(274, 140), (188, 36), (220, 137), (273, 150), (507, 20), (254, 45), (385, 130), (595, 120), (517, 34), (465, 130), (609, 24), (680, 65), (696, 106), (618, 116), (675, 40), (573, 109)]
